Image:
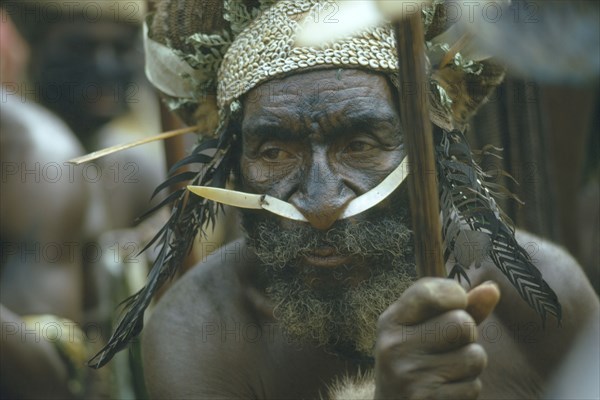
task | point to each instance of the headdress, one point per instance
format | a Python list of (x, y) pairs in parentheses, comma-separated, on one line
[(206, 72)]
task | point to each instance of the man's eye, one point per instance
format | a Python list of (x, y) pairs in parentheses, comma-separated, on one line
[(275, 154), (358, 146)]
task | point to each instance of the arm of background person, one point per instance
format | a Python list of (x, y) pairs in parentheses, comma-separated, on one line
[(42, 209)]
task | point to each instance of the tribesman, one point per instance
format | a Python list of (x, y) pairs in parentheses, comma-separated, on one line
[(321, 297), (43, 210)]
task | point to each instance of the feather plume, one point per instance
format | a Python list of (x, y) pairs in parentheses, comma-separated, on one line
[(468, 206), (189, 216)]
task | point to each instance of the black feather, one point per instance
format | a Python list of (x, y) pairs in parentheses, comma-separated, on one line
[(173, 180), (190, 215), (467, 205), (167, 200), (194, 158)]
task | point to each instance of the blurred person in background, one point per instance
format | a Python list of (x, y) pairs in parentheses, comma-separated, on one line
[(85, 66), (45, 220)]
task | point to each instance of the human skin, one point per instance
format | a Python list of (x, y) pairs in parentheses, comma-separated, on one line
[(87, 74), (38, 212), (214, 335)]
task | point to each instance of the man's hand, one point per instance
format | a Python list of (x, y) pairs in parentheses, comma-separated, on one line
[(426, 341)]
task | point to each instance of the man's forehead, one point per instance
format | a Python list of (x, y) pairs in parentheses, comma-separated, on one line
[(358, 101), (321, 91)]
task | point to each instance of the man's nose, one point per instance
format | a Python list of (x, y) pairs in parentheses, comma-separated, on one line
[(322, 197)]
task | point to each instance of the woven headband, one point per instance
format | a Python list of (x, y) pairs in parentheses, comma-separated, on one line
[(265, 49)]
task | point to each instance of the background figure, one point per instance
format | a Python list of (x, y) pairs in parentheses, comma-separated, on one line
[(86, 67), (43, 231), (44, 224)]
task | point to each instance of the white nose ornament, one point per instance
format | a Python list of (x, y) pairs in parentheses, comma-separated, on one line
[(284, 209)]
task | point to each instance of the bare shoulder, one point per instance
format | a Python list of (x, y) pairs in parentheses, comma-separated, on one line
[(193, 345), (212, 287), (41, 189), (47, 137)]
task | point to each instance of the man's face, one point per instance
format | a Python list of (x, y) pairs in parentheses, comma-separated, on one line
[(318, 140), (85, 71)]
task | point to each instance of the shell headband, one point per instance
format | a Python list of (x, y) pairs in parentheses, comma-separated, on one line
[(265, 48)]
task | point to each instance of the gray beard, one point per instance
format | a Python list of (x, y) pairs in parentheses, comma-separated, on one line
[(327, 307)]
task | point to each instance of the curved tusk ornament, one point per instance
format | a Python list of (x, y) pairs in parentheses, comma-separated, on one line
[(378, 193), (284, 209)]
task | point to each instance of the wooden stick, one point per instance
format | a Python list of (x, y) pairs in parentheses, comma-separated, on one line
[(418, 136)]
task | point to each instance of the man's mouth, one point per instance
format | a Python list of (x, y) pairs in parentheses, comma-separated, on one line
[(326, 257)]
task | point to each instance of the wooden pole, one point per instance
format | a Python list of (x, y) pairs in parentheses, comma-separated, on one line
[(418, 136)]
